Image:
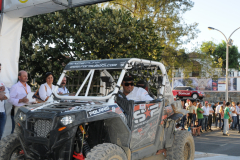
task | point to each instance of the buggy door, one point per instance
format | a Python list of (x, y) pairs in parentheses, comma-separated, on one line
[(145, 123)]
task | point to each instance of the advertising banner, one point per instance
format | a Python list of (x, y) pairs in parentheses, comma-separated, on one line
[(9, 49), (232, 84), (214, 84), (204, 84), (221, 84), (208, 84)]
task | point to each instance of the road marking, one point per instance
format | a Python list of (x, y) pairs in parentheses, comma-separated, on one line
[(224, 144)]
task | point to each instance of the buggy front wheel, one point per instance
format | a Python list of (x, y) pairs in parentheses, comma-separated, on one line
[(11, 149), (106, 151)]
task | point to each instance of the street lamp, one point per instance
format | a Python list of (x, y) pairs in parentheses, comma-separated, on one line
[(228, 43)]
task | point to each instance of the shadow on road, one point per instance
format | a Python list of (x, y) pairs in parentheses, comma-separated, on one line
[(215, 142)]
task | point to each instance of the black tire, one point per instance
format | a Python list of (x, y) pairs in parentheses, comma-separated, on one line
[(195, 96), (10, 148), (106, 151), (183, 147)]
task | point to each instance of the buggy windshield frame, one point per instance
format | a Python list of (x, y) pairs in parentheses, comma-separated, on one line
[(109, 64)]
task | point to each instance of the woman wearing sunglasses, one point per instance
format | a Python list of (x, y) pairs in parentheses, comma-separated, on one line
[(47, 88), (132, 92)]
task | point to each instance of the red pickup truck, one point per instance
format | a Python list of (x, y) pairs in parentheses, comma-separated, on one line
[(186, 91)]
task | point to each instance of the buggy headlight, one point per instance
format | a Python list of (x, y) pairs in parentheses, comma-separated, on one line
[(68, 119), (22, 116)]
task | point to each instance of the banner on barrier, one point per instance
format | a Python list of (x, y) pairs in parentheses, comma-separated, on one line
[(208, 84), (9, 49)]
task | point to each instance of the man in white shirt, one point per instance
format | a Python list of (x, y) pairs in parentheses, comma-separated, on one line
[(63, 89), (4, 95), (132, 92), (211, 111), (205, 115), (218, 116), (19, 91)]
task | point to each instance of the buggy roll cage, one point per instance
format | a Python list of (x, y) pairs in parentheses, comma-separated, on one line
[(93, 65)]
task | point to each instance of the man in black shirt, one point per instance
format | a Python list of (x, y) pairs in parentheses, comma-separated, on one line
[(214, 109)]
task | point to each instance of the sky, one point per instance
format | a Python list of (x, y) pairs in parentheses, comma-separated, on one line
[(223, 15)]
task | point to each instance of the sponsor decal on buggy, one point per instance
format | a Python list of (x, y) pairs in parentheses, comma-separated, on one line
[(102, 65), (98, 111), (144, 112), (145, 123)]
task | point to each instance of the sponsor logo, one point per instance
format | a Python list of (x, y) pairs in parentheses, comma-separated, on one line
[(142, 115), (98, 111), (23, 1), (184, 93)]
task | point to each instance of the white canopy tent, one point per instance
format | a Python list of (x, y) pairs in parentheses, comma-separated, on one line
[(11, 20)]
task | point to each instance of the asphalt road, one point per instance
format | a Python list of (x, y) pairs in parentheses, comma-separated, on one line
[(215, 142)]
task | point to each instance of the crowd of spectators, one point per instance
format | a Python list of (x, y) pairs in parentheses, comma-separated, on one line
[(17, 95), (224, 115)]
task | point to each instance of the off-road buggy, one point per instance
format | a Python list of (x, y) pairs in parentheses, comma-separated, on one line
[(101, 123)]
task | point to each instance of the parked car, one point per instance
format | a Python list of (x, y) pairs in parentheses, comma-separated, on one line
[(187, 91)]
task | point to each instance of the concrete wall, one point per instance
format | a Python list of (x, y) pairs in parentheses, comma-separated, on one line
[(220, 96)]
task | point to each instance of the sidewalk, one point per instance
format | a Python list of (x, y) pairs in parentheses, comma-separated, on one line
[(212, 156)]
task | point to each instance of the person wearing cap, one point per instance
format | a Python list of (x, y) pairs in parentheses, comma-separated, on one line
[(47, 88), (205, 115), (132, 92), (63, 89)]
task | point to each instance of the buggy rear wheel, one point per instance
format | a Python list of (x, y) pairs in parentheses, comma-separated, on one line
[(183, 147), (106, 151), (195, 96), (11, 149)]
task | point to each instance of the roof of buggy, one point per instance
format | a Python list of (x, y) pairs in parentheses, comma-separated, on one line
[(97, 64)]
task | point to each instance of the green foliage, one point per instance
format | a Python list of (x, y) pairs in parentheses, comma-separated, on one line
[(170, 27), (218, 54), (52, 40), (173, 59), (167, 17)]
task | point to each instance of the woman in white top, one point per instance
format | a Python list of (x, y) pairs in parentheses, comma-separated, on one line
[(47, 88)]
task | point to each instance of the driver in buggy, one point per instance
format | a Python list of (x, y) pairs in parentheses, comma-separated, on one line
[(132, 92)]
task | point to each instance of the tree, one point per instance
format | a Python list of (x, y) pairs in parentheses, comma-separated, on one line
[(167, 17), (169, 25), (218, 53), (51, 40)]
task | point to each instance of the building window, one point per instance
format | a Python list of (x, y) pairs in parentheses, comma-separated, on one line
[(195, 74)]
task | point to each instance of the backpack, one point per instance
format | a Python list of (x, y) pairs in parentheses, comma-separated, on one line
[(37, 96)]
